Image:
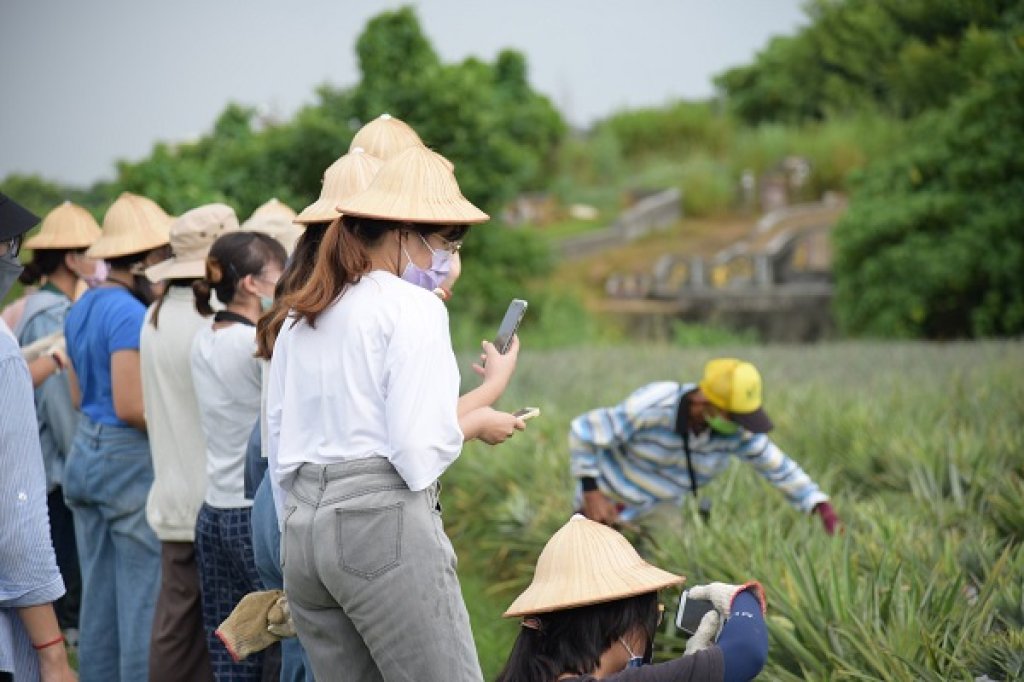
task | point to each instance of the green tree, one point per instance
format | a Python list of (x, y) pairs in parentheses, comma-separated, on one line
[(933, 243), (900, 57)]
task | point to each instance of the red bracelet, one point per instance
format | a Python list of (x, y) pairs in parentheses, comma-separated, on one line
[(40, 647)]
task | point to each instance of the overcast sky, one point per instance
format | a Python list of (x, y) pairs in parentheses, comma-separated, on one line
[(86, 82)]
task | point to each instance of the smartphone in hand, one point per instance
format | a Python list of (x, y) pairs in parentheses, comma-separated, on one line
[(690, 612), (510, 324), (527, 413)]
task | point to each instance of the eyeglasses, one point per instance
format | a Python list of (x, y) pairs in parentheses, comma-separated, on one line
[(452, 246), (12, 246)]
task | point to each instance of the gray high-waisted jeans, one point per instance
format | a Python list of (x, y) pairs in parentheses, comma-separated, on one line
[(370, 577)]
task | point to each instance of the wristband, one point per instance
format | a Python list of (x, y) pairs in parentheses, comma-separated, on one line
[(46, 645), (589, 484)]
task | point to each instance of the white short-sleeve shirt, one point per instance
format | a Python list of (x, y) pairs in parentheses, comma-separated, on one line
[(376, 377), (226, 375)]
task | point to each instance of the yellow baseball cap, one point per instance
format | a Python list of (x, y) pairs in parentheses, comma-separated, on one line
[(735, 386)]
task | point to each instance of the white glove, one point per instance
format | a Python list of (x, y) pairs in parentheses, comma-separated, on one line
[(722, 594), (719, 594), (705, 634), (44, 346)]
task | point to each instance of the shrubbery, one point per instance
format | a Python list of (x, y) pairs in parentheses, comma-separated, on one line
[(933, 243)]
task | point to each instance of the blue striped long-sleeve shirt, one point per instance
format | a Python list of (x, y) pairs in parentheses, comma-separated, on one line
[(28, 568), (635, 454)]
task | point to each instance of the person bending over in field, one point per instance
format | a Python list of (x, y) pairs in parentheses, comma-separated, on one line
[(666, 440)]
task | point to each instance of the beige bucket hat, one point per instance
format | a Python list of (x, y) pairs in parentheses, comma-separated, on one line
[(385, 137), (275, 218), (349, 175), (69, 226), (192, 235), (585, 563), (132, 224), (417, 186)]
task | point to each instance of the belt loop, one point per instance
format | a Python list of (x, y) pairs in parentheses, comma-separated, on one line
[(323, 478)]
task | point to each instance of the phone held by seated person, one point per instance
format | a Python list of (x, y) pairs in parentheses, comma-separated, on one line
[(509, 325), (690, 612), (527, 413)]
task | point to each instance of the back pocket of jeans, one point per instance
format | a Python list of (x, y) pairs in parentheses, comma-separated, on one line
[(370, 540)]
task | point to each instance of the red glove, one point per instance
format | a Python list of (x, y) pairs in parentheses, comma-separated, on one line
[(829, 519)]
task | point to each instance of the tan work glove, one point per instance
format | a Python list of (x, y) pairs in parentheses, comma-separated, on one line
[(706, 632), (279, 618), (722, 594), (246, 630)]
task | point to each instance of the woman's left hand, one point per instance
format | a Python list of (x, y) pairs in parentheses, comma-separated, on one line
[(492, 426)]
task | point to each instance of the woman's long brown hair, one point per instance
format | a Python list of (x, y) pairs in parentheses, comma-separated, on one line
[(298, 272), (341, 260)]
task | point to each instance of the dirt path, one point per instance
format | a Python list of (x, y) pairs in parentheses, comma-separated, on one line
[(691, 236)]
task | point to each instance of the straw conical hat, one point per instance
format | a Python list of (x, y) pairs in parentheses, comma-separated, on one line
[(385, 137), (275, 218), (132, 224), (584, 563), (69, 226), (274, 209), (417, 186), (349, 175), (192, 235)]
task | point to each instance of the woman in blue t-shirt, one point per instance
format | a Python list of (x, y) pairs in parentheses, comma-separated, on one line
[(109, 470)]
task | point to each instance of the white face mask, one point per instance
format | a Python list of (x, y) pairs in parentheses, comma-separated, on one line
[(98, 276)]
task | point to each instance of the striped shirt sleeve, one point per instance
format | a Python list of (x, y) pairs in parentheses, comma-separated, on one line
[(28, 569), (781, 471)]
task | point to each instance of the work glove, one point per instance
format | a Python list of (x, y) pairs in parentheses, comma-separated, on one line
[(47, 345), (246, 630), (706, 633), (279, 618), (829, 519), (722, 594)]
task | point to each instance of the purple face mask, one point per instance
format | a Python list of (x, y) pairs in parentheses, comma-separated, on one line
[(430, 279)]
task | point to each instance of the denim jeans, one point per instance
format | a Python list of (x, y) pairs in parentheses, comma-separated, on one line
[(370, 577), (266, 545), (106, 481)]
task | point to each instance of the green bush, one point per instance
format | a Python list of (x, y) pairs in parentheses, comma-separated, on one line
[(932, 243), (708, 186)]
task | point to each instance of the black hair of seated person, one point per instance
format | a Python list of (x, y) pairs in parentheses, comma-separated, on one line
[(573, 640)]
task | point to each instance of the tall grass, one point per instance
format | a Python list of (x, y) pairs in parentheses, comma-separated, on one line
[(919, 445)]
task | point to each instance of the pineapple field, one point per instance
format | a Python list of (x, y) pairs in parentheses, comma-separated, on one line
[(919, 445)]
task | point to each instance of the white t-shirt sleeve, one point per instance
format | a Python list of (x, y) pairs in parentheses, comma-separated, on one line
[(422, 392), (275, 394)]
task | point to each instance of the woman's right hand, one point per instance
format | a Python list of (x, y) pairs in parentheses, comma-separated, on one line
[(496, 368)]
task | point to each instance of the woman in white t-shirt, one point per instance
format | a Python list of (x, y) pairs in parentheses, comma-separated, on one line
[(364, 416), (242, 268)]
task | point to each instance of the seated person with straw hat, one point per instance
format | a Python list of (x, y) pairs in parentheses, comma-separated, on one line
[(592, 611)]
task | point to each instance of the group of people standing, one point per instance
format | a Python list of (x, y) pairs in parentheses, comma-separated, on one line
[(222, 409)]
